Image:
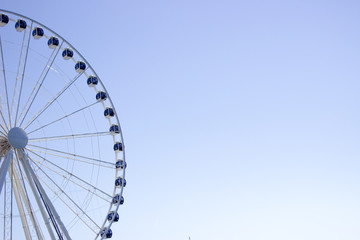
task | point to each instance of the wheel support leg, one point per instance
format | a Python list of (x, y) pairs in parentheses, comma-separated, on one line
[(4, 168), (36, 196), (26, 165), (21, 189), (19, 203)]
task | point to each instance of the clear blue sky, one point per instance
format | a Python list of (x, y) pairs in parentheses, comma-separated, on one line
[(241, 118)]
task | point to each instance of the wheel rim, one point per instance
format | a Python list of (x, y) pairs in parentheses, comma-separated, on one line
[(65, 138)]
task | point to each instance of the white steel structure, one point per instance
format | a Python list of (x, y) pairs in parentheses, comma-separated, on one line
[(62, 159)]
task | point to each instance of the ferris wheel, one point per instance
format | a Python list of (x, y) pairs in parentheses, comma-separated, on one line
[(62, 159)]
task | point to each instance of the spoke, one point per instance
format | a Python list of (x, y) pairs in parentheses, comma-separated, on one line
[(40, 82), (70, 175), (68, 115), (3, 131), (6, 89), (71, 200), (23, 73), (18, 70), (53, 100), (83, 135), (91, 188), (70, 157), (2, 134), (77, 215), (94, 160), (3, 119)]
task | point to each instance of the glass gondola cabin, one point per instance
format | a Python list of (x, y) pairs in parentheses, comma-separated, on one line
[(38, 33), (120, 181), (109, 112), (121, 164), (20, 25), (92, 81), (118, 147), (80, 66), (101, 96), (67, 54), (118, 200), (112, 215), (4, 19), (114, 129), (53, 42), (106, 233)]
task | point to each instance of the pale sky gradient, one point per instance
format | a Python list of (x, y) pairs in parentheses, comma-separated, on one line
[(240, 118)]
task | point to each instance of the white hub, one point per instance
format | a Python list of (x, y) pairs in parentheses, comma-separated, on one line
[(17, 138)]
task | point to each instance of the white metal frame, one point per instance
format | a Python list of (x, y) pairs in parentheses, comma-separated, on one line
[(23, 161)]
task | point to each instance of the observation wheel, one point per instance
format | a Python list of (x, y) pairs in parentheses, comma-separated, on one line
[(62, 160)]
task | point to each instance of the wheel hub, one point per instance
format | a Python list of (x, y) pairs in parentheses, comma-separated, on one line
[(17, 138)]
